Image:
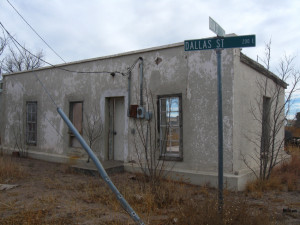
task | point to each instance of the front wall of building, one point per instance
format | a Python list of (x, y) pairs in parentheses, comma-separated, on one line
[(167, 71), (248, 104)]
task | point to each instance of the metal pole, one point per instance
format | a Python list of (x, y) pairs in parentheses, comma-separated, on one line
[(101, 170), (220, 133)]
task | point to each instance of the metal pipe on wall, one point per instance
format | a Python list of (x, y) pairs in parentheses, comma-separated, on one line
[(141, 81), (129, 92)]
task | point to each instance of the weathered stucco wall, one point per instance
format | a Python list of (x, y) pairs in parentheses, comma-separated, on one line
[(167, 70), (192, 74), (247, 107)]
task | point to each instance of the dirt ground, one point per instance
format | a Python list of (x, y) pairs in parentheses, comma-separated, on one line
[(50, 193)]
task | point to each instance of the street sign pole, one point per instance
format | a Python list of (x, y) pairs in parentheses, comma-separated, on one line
[(220, 32), (219, 43), (220, 132)]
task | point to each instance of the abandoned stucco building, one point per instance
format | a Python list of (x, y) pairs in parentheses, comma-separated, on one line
[(176, 90)]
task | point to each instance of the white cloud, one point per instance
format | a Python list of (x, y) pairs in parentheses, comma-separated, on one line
[(82, 29)]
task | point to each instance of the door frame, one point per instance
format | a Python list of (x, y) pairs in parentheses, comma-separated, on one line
[(104, 111), (113, 128)]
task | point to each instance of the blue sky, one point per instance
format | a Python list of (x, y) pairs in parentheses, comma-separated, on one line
[(78, 29)]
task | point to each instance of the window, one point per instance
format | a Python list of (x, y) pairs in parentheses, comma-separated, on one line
[(31, 123), (76, 116), (265, 137), (170, 126)]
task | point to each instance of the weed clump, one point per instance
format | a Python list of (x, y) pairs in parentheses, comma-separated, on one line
[(234, 212), (283, 177), (9, 170)]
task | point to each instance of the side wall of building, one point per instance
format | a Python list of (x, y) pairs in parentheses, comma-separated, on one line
[(248, 105)]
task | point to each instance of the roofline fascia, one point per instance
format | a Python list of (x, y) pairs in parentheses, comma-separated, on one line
[(100, 58), (261, 69)]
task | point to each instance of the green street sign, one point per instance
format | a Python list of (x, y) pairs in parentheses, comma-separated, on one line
[(220, 42)]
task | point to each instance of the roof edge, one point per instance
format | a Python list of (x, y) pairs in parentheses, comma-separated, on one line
[(178, 44), (261, 69)]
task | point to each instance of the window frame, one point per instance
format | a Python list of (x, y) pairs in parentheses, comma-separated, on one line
[(31, 123), (266, 126), (164, 155)]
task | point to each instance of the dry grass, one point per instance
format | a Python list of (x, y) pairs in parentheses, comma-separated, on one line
[(10, 170), (284, 177), (234, 212), (58, 195), (289, 173)]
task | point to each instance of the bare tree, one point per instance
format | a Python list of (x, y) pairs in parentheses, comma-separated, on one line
[(269, 110), (19, 61), (150, 160), (92, 127), (15, 57), (3, 42)]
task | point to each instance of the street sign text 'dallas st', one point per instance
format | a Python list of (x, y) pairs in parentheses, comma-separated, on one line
[(220, 42)]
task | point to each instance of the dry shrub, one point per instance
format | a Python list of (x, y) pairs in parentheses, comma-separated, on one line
[(29, 217), (197, 212), (292, 166), (292, 149), (25, 217), (148, 198), (289, 172), (96, 191), (259, 186), (9, 170), (284, 176)]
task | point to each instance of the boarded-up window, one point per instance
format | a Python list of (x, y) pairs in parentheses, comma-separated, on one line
[(170, 126), (31, 123), (76, 115)]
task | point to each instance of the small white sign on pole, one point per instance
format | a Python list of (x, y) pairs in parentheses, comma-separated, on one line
[(216, 28)]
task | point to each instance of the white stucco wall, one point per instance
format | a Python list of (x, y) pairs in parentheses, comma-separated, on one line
[(167, 70), (248, 96)]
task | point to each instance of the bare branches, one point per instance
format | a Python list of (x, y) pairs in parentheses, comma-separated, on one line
[(15, 61), (150, 161), (269, 110), (3, 42), (92, 127)]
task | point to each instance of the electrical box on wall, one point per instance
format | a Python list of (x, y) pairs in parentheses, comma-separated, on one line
[(133, 111), (140, 112)]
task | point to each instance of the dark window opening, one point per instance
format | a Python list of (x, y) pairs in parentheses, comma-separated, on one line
[(265, 137)]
